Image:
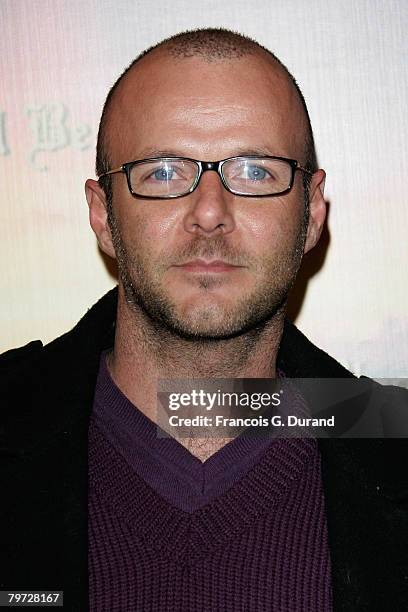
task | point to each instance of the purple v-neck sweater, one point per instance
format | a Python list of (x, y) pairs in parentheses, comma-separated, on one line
[(243, 531)]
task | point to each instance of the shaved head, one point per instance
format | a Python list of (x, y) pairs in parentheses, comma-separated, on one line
[(210, 45)]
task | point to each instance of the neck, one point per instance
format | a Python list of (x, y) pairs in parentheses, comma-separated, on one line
[(143, 354)]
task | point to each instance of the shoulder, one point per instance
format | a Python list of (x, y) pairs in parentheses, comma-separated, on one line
[(93, 333), (393, 401), (396, 392), (17, 355), (15, 361), (49, 389), (387, 395)]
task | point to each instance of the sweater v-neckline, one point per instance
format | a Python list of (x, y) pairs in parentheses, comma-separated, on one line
[(209, 502), (188, 537), (163, 462)]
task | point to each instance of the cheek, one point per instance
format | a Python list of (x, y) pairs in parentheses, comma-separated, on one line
[(273, 223), (148, 228)]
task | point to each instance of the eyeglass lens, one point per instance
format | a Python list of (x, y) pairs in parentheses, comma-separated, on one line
[(163, 177), (246, 176), (257, 176)]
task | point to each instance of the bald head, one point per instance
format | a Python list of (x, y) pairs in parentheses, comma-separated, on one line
[(207, 46)]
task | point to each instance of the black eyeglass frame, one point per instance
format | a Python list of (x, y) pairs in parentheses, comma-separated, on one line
[(204, 166)]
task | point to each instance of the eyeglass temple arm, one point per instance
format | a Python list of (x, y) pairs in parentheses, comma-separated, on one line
[(298, 167), (120, 169)]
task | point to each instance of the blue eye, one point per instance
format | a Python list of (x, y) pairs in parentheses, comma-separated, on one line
[(163, 174), (255, 173)]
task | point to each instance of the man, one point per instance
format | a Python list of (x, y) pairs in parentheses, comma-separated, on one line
[(208, 196)]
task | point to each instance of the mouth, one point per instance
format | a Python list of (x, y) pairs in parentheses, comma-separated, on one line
[(215, 266)]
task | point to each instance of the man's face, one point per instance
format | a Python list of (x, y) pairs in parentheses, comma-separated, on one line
[(207, 111)]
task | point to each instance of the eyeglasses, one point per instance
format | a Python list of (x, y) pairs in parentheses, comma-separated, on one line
[(162, 178)]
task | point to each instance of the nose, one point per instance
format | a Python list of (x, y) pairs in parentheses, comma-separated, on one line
[(211, 207)]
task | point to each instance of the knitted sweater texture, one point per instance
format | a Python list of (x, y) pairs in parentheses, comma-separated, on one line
[(245, 531)]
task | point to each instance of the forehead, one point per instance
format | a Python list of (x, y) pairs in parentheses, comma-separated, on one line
[(208, 110)]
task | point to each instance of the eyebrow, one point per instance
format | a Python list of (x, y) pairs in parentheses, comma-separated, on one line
[(146, 153), (151, 153)]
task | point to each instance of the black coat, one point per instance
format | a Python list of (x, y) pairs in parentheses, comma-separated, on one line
[(46, 399)]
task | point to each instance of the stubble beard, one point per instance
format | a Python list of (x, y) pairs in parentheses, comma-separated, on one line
[(146, 295)]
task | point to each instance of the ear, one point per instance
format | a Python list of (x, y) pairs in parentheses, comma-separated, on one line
[(317, 209), (98, 216)]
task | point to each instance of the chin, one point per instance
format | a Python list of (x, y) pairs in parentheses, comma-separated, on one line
[(214, 324), (211, 321), (201, 333)]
